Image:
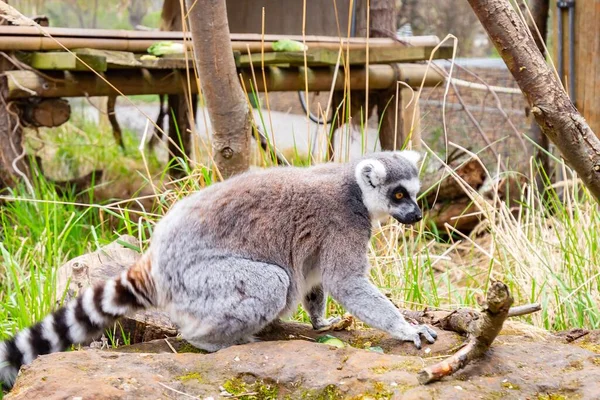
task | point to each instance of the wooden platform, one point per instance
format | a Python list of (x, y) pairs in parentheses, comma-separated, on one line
[(103, 60), (83, 71)]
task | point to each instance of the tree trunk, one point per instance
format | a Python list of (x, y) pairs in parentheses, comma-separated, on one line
[(227, 107), (12, 166), (553, 110)]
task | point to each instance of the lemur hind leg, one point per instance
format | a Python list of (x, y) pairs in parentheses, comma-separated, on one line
[(315, 303), (236, 299)]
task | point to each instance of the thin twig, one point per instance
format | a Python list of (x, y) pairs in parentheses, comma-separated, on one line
[(178, 392), (170, 346), (524, 310)]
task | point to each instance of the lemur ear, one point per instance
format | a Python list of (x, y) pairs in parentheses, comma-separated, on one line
[(410, 155), (370, 172)]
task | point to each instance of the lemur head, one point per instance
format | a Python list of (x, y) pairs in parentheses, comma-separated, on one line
[(389, 182)]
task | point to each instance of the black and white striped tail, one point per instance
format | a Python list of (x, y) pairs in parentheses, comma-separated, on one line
[(79, 321)]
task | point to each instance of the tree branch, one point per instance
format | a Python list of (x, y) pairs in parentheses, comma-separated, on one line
[(482, 332), (553, 110)]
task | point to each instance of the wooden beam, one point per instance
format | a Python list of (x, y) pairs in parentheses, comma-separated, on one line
[(23, 84), (136, 37), (114, 59)]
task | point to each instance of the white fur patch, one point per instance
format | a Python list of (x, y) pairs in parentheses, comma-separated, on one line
[(77, 333), (410, 155), (412, 186), (313, 279), (49, 333), (370, 172), (8, 373), (90, 308), (370, 175), (24, 345)]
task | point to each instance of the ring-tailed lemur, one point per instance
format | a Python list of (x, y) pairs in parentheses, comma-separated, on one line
[(236, 256)]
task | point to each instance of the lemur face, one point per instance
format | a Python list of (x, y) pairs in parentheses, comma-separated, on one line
[(390, 184)]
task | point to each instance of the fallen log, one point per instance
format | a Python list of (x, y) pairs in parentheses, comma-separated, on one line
[(451, 206), (481, 330), (461, 214), (444, 199), (438, 183)]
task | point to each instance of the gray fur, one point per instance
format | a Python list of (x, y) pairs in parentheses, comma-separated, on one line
[(240, 254)]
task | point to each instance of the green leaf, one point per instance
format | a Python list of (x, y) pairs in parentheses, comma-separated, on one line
[(331, 340), (288, 45)]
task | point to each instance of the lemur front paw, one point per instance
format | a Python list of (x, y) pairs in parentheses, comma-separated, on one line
[(413, 334), (325, 324)]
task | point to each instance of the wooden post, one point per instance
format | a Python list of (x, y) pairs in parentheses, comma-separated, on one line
[(394, 120), (180, 128), (180, 115), (586, 49), (409, 107), (100, 103)]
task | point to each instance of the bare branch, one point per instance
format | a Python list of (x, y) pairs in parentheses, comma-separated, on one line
[(482, 332)]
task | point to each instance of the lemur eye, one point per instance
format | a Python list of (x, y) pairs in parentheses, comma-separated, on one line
[(399, 195)]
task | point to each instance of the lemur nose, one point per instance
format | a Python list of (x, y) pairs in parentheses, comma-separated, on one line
[(417, 216)]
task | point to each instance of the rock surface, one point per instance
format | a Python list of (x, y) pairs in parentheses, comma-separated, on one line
[(523, 363), (517, 367)]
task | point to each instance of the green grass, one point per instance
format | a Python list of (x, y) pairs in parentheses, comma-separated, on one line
[(36, 238)]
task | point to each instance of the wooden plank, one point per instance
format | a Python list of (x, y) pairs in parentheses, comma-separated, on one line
[(114, 59), (128, 60), (167, 63), (276, 58), (321, 57), (391, 55), (63, 61)]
